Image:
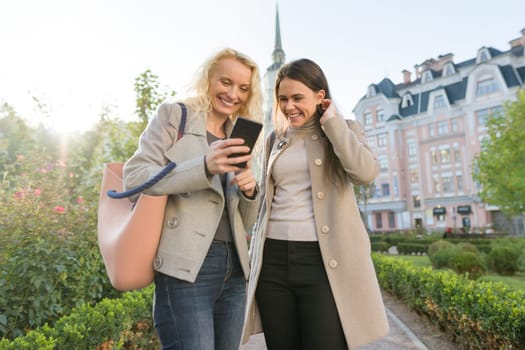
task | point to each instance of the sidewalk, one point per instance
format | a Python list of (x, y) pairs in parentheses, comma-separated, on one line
[(399, 338)]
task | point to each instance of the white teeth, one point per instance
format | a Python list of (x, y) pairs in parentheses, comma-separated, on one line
[(227, 103)]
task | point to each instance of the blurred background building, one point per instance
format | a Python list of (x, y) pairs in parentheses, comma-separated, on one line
[(426, 132)]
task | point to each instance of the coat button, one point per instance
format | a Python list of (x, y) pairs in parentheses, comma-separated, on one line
[(172, 222), (325, 229), (157, 262), (332, 263), (320, 195), (318, 162), (315, 137)]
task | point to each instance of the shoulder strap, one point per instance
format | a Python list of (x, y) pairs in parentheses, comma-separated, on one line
[(169, 167), (272, 141)]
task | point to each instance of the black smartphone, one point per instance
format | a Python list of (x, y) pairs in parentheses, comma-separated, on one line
[(249, 131)]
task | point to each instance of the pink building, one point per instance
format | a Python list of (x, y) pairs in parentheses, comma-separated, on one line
[(426, 132)]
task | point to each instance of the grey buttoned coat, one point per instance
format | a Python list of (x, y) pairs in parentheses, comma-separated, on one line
[(343, 239), (196, 201)]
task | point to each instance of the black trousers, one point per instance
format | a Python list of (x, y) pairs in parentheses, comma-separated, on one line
[(297, 307)]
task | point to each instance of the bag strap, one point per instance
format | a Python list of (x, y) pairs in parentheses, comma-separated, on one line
[(169, 167)]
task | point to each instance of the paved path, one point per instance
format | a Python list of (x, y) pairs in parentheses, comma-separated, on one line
[(399, 338)]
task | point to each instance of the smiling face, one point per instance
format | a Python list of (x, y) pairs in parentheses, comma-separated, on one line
[(297, 101), (229, 87)]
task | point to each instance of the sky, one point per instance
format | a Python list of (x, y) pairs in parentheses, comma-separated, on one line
[(78, 57)]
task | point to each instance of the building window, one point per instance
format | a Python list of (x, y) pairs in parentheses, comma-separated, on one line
[(414, 177), (483, 55), (437, 185), (434, 156), (368, 119), (454, 124), (407, 100), (448, 184), (445, 155), (431, 130), (427, 76), (385, 190), (371, 141), (449, 69), (483, 115), (411, 148), (381, 140), (383, 164), (416, 201), (391, 220), (486, 86), (443, 127), (379, 220), (439, 102), (380, 115), (459, 182), (457, 154)]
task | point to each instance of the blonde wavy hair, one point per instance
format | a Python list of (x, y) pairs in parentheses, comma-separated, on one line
[(252, 109)]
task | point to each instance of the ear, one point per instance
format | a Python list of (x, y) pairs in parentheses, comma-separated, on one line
[(320, 95)]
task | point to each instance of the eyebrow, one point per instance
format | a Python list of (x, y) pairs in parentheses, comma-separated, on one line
[(293, 96)]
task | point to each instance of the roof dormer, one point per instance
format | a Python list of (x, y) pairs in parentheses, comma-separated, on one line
[(372, 91), (427, 76), (483, 55), (449, 69)]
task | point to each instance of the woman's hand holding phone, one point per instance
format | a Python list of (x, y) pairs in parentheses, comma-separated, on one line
[(218, 160)]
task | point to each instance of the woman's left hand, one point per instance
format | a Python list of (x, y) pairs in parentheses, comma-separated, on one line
[(245, 179), (329, 109)]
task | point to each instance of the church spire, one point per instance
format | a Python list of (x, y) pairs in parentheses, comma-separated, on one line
[(278, 53)]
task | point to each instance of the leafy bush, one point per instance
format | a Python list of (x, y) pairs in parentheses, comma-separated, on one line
[(504, 257), (477, 315), (462, 258), (48, 250), (380, 246), (412, 248), (440, 253), (123, 323)]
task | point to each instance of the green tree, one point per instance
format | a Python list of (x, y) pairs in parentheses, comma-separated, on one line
[(362, 194), (499, 168), (149, 95)]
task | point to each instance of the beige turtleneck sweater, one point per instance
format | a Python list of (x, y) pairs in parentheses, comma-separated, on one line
[(292, 214)]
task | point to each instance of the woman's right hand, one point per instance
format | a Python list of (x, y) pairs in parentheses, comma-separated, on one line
[(217, 161)]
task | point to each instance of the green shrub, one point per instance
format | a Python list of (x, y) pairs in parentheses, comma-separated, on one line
[(112, 323), (438, 245), (48, 250), (478, 315), (467, 262), (412, 248), (380, 246), (440, 253), (504, 258)]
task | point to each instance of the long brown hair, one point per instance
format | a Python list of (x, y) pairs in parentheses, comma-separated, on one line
[(310, 74)]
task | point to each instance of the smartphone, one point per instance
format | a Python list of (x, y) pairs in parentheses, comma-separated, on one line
[(249, 131)]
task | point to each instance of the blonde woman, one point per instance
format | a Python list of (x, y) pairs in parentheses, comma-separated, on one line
[(202, 260)]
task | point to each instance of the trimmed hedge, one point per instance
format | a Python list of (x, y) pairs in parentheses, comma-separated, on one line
[(123, 323), (478, 315)]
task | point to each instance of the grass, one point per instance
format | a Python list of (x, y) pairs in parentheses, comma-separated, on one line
[(516, 282)]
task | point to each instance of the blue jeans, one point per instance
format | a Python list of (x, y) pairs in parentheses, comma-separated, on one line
[(207, 314)]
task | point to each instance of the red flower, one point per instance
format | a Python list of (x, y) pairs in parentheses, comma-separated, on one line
[(59, 209), (37, 192), (80, 200)]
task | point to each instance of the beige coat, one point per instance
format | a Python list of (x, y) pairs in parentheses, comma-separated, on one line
[(344, 242), (196, 202)]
